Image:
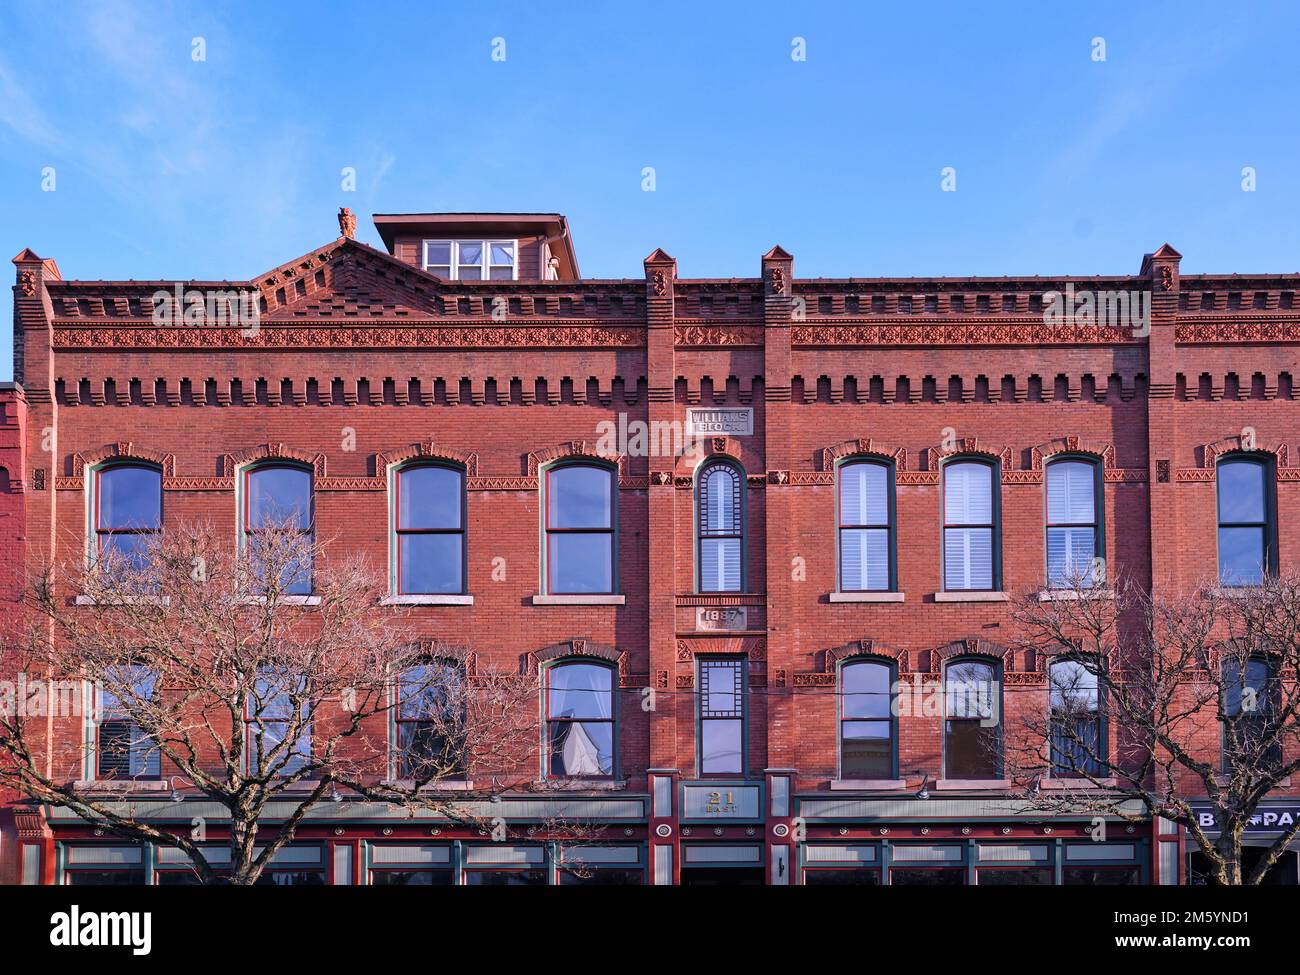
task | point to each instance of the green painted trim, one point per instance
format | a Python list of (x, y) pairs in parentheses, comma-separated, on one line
[(996, 468), (891, 667), (892, 514), (701, 468)]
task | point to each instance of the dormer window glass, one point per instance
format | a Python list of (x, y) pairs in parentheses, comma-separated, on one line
[(472, 260)]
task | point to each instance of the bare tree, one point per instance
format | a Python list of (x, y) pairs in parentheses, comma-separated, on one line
[(207, 668), (1156, 699)]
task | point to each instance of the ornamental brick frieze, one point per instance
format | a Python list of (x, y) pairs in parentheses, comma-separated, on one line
[(314, 338), (1031, 331)]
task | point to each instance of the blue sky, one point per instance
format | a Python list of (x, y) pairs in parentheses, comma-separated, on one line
[(169, 167)]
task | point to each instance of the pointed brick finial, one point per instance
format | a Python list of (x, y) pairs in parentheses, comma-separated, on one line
[(347, 223)]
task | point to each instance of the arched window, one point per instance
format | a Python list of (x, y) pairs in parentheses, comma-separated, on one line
[(1246, 529), (866, 509), (972, 737), (1074, 537), (580, 719), (430, 721), (1251, 699), (1077, 722), (580, 529), (123, 749), (970, 526), (279, 496), (720, 527), (128, 512), (429, 522), (866, 720), (270, 721)]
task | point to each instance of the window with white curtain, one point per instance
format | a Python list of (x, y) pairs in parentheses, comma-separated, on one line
[(969, 526), (865, 526), (720, 528), (580, 719), (1073, 538)]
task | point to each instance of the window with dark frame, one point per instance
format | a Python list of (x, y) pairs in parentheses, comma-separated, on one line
[(970, 526), (430, 528), (278, 496), (720, 526), (430, 721), (1073, 524), (972, 746), (123, 749), (270, 713), (1077, 721), (580, 719), (722, 715), (580, 529), (1252, 697), (866, 526), (128, 513), (866, 720), (1245, 520)]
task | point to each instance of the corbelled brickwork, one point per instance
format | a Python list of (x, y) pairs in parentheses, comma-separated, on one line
[(361, 358)]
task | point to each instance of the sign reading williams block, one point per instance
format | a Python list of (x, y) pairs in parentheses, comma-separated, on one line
[(720, 421)]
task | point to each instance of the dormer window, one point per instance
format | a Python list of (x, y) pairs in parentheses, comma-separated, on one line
[(472, 260)]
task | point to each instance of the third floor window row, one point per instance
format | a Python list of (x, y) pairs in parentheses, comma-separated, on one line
[(580, 519)]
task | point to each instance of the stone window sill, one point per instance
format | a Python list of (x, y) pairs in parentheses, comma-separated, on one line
[(868, 785), (111, 787), (286, 600), (865, 597), (1069, 783), (971, 596), (582, 785), (428, 599), (442, 785), (127, 601), (971, 785), (579, 599), (1234, 592), (1071, 595)]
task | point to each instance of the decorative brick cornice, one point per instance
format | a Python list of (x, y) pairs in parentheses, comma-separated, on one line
[(315, 338), (573, 449), (230, 463), (718, 336), (752, 647), (708, 448), (865, 648), (971, 647), (123, 450), (1237, 332), (1210, 453), (427, 450), (1033, 332), (580, 647), (863, 448), (969, 446)]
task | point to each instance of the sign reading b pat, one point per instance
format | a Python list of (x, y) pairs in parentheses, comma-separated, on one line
[(720, 421)]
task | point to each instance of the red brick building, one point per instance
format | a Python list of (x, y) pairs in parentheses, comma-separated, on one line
[(873, 484)]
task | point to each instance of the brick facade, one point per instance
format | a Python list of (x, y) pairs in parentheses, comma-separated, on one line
[(360, 346)]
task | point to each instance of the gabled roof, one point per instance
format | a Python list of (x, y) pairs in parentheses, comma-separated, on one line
[(349, 279)]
